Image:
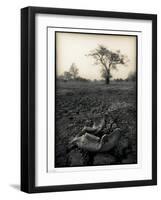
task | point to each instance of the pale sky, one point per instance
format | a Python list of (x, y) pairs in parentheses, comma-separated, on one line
[(73, 48)]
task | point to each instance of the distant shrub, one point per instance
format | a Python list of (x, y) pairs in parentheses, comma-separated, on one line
[(119, 80), (132, 77), (82, 79)]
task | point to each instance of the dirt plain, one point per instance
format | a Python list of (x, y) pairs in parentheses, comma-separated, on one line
[(83, 103)]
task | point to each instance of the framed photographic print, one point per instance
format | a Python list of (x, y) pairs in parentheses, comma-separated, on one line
[(88, 99)]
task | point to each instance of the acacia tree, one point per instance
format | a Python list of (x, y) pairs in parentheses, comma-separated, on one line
[(107, 59), (74, 71)]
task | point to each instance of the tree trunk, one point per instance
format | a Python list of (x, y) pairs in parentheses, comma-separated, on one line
[(107, 80)]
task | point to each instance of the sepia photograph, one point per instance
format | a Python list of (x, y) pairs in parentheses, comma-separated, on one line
[(95, 99)]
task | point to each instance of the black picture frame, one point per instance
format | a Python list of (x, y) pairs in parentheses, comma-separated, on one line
[(28, 98)]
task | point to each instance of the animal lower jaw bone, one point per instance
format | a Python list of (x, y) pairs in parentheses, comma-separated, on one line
[(92, 143), (94, 129)]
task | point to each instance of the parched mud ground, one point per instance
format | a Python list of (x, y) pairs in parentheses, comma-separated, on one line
[(79, 104)]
